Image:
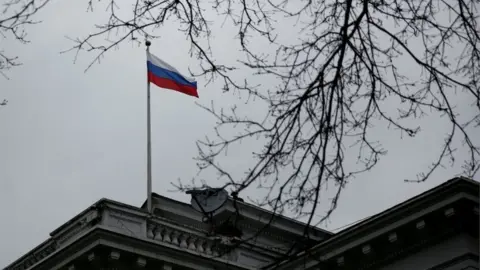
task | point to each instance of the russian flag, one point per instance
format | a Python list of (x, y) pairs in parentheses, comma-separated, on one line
[(165, 76)]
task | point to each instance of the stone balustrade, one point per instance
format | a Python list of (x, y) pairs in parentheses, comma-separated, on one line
[(195, 241)]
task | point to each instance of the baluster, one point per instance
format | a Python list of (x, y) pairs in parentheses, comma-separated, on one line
[(155, 232), (208, 247), (192, 243), (166, 235), (215, 250), (175, 236), (183, 240), (200, 245), (150, 233)]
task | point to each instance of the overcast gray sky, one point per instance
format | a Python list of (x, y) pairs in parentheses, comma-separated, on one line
[(69, 138)]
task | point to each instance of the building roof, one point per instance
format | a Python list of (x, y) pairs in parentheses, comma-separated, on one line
[(455, 186), (255, 210), (454, 189)]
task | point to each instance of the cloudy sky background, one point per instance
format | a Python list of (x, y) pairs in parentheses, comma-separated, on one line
[(69, 138)]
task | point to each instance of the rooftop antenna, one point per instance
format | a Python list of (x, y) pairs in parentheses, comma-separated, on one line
[(207, 201)]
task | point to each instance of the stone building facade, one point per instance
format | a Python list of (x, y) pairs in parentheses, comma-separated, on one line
[(434, 230)]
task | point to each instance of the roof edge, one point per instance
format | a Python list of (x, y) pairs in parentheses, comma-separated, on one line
[(247, 206), (444, 187)]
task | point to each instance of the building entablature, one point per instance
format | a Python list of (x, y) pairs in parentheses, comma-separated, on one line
[(188, 238), (398, 231), (251, 218), (175, 237)]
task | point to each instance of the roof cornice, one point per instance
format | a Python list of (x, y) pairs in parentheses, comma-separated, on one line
[(461, 186)]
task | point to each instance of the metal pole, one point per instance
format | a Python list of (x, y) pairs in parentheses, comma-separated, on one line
[(149, 143)]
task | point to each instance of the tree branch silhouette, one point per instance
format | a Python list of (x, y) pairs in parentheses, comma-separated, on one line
[(337, 80), (14, 17)]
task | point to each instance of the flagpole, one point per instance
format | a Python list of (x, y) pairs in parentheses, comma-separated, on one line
[(149, 142)]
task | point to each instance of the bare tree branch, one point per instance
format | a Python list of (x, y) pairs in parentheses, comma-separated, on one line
[(15, 15), (342, 75)]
